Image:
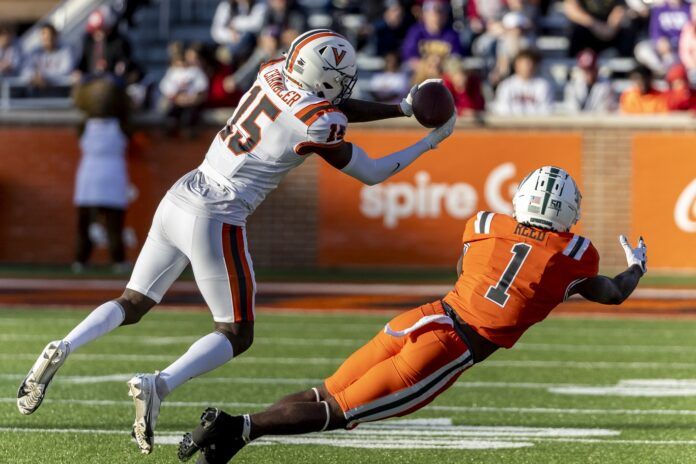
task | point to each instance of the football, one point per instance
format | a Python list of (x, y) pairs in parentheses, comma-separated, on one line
[(433, 104)]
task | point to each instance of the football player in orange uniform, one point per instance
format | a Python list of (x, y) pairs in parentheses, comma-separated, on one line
[(513, 271)]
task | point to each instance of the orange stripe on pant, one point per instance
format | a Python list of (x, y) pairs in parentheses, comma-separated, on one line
[(248, 283), (394, 376), (239, 272)]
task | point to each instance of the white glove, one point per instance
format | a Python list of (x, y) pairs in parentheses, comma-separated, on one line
[(635, 256), (439, 134), (406, 104)]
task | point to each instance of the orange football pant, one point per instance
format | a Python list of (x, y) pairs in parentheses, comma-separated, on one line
[(395, 375)]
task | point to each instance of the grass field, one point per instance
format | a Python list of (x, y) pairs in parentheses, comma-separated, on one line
[(576, 390)]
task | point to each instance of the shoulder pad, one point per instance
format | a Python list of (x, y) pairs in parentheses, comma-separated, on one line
[(577, 246), (482, 222), (327, 126)]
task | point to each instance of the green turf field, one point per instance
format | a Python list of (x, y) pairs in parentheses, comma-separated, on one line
[(560, 397)]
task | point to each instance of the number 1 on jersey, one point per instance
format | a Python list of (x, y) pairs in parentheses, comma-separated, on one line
[(498, 294)]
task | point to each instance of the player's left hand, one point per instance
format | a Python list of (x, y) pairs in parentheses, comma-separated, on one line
[(635, 256), (406, 104), (439, 134)]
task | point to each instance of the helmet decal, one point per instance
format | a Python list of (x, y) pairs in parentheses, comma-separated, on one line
[(338, 57)]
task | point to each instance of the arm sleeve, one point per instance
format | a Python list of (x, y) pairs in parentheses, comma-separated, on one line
[(371, 171), (328, 132)]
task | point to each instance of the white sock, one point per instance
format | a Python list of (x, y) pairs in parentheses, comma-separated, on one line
[(203, 356), (101, 321)]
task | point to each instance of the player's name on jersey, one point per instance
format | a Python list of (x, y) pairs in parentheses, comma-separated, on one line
[(274, 78), (534, 234)]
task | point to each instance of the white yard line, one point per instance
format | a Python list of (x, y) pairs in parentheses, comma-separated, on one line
[(118, 378), (455, 409), (567, 411), (594, 348), (166, 404), (355, 342), (547, 364), (290, 288), (374, 437)]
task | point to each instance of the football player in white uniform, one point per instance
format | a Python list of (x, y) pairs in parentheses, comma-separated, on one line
[(298, 105)]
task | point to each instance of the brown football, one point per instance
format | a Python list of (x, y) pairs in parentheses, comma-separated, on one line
[(433, 104)]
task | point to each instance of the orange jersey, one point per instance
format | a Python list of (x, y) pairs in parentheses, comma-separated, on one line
[(514, 275)]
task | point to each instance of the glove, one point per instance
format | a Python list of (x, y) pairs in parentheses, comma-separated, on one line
[(406, 104), (439, 134), (635, 256)]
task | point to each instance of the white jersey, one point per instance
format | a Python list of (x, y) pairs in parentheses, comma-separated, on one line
[(272, 130)]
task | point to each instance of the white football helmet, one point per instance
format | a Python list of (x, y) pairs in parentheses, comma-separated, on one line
[(547, 198), (324, 63)]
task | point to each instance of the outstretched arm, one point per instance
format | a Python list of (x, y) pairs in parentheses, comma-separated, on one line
[(608, 291), (605, 290), (366, 111), (352, 160)]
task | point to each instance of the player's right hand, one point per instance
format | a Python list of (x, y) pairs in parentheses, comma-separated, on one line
[(406, 104), (439, 134), (635, 256)]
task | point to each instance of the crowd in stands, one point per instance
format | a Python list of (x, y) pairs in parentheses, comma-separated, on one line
[(486, 51)]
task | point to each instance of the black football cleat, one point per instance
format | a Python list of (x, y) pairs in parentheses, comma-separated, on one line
[(218, 437), (221, 453)]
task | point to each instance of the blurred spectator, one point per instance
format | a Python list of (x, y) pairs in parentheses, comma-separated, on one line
[(227, 86), (104, 49), (101, 185), (431, 35), (519, 13), (430, 67), (236, 23), (642, 97), (390, 85), (465, 87), (128, 8), (599, 25), (218, 94), (660, 52), (485, 15), (184, 88), (687, 45), (51, 64), (285, 15), (10, 57), (391, 29), (516, 35), (586, 91), (680, 96), (524, 92)]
